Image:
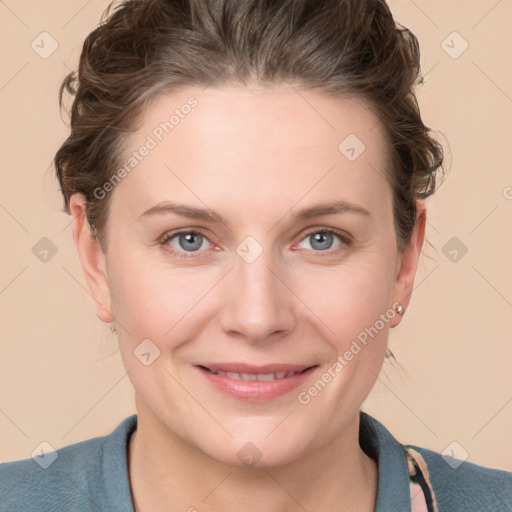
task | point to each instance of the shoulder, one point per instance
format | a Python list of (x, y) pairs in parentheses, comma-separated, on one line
[(74, 477), (448, 484), (48, 479), (459, 485)]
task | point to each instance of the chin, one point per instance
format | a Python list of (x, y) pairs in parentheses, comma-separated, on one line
[(256, 452)]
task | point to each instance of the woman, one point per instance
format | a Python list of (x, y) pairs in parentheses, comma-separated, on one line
[(247, 182)]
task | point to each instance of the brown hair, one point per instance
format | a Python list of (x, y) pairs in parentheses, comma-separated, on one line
[(143, 48)]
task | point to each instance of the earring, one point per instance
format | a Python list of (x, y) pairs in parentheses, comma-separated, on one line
[(400, 309)]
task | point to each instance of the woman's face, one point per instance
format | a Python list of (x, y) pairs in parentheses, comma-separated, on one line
[(223, 254)]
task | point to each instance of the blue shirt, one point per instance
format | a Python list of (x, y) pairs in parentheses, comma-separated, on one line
[(92, 475)]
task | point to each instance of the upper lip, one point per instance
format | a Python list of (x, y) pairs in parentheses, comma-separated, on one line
[(254, 369)]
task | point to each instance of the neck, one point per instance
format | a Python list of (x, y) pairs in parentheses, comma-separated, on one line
[(165, 472)]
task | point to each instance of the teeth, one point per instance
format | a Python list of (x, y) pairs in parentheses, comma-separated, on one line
[(266, 376), (252, 376)]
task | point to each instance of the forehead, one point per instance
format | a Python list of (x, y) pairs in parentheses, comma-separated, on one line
[(252, 141), (281, 114)]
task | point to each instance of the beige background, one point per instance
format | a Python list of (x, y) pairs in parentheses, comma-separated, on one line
[(61, 376)]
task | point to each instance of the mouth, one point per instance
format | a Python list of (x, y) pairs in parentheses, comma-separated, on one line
[(255, 383), (248, 377)]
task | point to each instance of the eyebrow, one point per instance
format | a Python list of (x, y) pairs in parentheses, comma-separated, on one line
[(329, 208)]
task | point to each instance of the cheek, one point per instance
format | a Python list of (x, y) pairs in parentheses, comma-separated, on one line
[(354, 310), (156, 301), (349, 299)]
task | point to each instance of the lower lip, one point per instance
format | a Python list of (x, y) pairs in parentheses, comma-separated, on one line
[(256, 390)]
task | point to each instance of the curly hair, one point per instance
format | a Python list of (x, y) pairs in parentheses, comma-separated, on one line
[(145, 48)]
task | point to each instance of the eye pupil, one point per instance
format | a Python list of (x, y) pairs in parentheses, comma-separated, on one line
[(188, 238), (324, 240)]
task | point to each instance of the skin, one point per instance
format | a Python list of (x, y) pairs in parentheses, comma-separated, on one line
[(255, 156)]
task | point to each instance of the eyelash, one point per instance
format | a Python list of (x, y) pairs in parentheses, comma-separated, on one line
[(346, 241)]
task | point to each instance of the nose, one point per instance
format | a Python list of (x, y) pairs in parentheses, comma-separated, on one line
[(258, 304)]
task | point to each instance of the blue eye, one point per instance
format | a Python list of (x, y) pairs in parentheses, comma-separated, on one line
[(322, 239), (186, 241), (192, 242)]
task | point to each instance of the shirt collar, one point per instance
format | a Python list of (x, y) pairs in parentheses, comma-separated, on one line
[(376, 441), (393, 493)]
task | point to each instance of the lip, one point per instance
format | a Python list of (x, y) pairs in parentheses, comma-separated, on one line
[(255, 391)]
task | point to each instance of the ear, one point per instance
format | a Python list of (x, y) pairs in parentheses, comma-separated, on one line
[(408, 263), (92, 258)]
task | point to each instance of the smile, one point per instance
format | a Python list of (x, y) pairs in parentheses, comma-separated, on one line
[(255, 383)]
